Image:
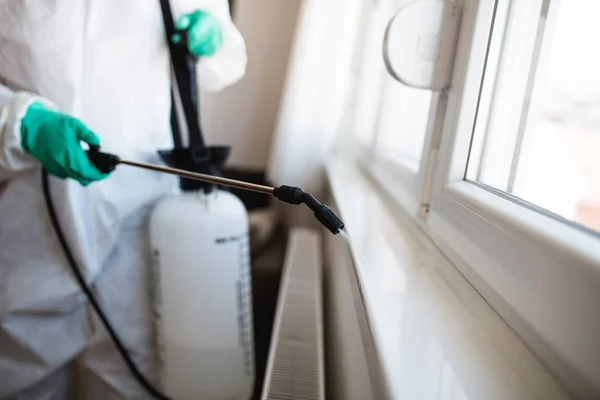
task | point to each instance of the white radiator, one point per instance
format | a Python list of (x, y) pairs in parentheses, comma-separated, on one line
[(295, 370)]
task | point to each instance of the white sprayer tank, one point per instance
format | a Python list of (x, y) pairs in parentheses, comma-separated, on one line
[(203, 296)]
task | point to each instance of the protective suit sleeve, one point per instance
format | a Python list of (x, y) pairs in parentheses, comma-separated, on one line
[(228, 64), (13, 106)]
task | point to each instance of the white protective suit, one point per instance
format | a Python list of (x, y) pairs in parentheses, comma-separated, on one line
[(107, 63)]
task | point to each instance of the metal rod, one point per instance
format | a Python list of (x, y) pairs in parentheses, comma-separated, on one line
[(202, 177)]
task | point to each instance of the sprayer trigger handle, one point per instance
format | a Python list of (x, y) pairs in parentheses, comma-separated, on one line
[(104, 162)]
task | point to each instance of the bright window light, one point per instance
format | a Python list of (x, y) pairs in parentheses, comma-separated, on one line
[(403, 122), (537, 132)]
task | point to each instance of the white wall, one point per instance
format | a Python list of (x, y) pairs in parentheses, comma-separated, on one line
[(315, 91), (245, 114)]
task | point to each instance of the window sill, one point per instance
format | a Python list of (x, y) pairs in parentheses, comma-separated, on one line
[(433, 335)]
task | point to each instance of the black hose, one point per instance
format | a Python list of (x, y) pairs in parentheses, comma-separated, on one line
[(90, 296)]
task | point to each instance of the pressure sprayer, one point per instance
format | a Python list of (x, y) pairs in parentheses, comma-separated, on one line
[(201, 272), (196, 278), (200, 249), (200, 256)]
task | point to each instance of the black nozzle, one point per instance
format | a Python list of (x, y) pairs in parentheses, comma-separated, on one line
[(329, 220), (295, 195), (104, 162)]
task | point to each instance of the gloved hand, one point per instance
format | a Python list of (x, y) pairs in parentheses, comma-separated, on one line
[(204, 33), (54, 139)]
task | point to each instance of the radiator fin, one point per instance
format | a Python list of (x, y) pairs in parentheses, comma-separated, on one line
[(295, 369)]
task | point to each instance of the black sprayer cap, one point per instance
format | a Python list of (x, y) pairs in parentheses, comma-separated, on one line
[(204, 160)]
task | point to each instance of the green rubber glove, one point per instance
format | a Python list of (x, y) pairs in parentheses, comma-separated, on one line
[(205, 36), (54, 139)]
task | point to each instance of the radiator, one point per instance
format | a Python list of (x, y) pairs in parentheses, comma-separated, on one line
[(295, 369)]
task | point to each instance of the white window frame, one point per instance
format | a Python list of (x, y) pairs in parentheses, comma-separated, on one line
[(539, 273), (400, 180), (409, 186)]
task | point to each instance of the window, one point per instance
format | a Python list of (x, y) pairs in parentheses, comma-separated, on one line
[(403, 122), (513, 167), (537, 132), (502, 170), (390, 120)]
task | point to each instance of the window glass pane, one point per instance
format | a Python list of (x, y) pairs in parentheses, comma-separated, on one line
[(537, 132), (403, 115), (403, 122)]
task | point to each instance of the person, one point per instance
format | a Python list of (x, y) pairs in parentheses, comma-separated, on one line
[(95, 72)]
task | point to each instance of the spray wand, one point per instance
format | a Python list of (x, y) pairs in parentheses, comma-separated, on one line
[(106, 162)]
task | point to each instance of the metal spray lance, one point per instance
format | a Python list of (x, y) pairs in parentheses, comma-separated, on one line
[(106, 162)]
